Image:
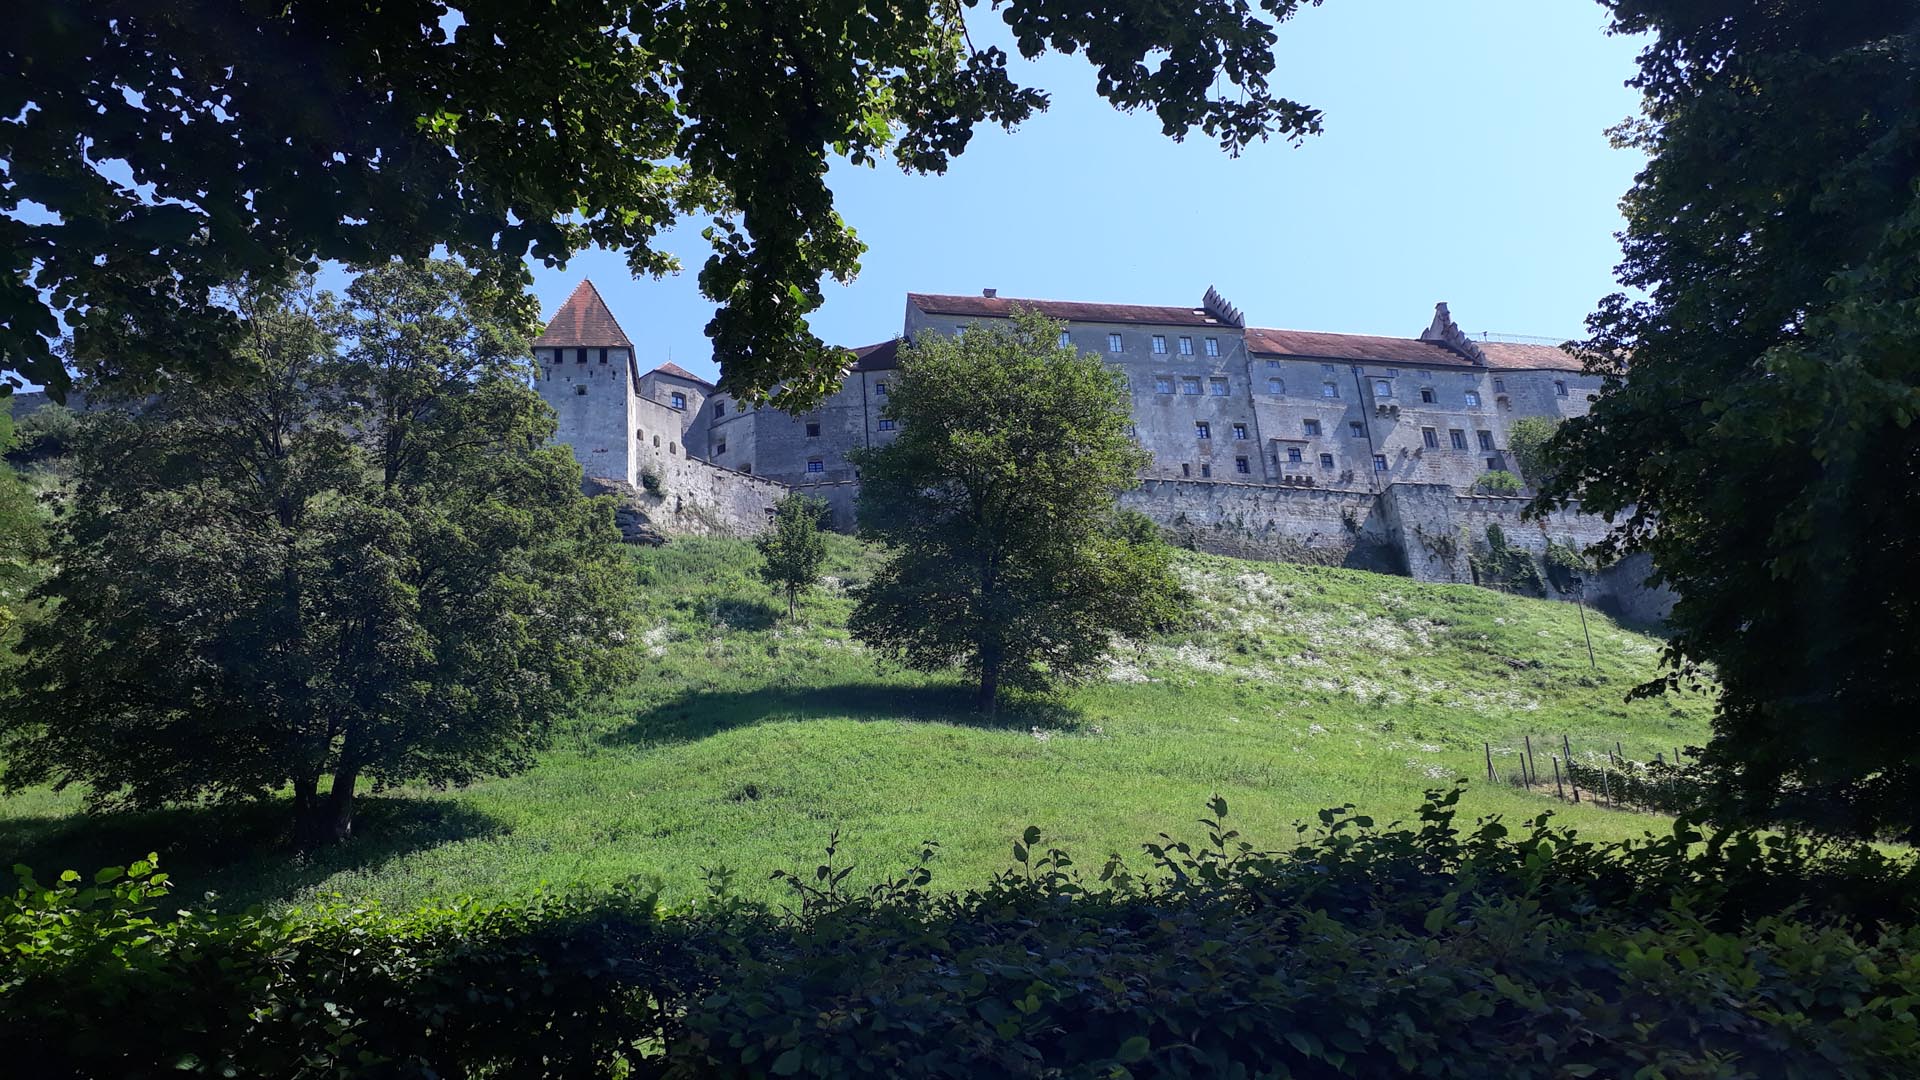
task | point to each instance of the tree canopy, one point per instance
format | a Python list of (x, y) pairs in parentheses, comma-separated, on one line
[(793, 550), (353, 562), (1009, 556), (156, 152), (1763, 450)]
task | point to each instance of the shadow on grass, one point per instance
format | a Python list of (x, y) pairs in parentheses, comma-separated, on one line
[(694, 716), (242, 852)]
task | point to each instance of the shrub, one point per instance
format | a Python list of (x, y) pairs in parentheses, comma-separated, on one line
[(650, 480), (1498, 482), (1361, 950)]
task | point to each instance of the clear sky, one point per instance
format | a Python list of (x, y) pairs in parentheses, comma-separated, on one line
[(1464, 159)]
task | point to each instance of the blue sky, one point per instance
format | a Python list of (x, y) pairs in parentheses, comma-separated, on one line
[(1464, 159)]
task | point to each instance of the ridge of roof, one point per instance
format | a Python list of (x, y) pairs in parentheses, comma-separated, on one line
[(1004, 307), (584, 320), (678, 372)]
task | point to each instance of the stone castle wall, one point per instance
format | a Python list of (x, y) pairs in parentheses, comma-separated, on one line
[(1260, 521), (694, 498)]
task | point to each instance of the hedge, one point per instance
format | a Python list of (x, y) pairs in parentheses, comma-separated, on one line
[(1415, 949)]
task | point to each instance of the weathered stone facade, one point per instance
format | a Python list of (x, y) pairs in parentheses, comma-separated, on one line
[(1292, 445)]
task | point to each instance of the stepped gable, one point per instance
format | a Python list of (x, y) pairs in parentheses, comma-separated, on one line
[(584, 320), (999, 307), (676, 371), (1515, 356), (1352, 348)]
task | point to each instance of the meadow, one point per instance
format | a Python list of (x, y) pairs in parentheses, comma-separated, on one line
[(747, 740)]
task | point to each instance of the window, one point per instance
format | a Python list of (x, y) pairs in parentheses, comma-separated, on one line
[(1473, 399), (1458, 437), (1113, 342), (1186, 346), (1186, 469), (1311, 428), (1242, 466), (1499, 386), (813, 429), (1163, 384), (815, 465), (1202, 430), (1382, 388), (1425, 374), (1326, 461), (1276, 386), (1356, 429), (580, 356), (1329, 391), (1326, 369), (1273, 365), (1379, 463), (1066, 339), (1559, 388), (1486, 440), (603, 356), (1190, 386), (719, 448), (1132, 432), (1206, 469), (1426, 395), (1239, 431), (1430, 437), (1294, 456), (1160, 344), (1393, 373), (581, 389), (677, 399), (879, 389), (719, 409), (1213, 346), (886, 424), (1217, 387)]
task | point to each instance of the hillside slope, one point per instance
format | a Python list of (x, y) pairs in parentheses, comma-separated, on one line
[(748, 739)]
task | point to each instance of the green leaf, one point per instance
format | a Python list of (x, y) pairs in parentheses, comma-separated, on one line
[(788, 1063), (1133, 1049)]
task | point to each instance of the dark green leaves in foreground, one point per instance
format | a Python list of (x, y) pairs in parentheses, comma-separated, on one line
[(1763, 447), (1367, 951), (158, 151)]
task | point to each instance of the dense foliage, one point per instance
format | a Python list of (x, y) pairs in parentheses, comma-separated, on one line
[(353, 562), (1360, 951), (998, 503), (1527, 440), (1764, 450), (156, 152), (793, 550)]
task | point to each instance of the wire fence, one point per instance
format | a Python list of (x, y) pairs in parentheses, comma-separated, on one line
[(1605, 778)]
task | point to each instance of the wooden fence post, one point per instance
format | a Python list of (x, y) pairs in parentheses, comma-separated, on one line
[(1557, 789), (1489, 749)]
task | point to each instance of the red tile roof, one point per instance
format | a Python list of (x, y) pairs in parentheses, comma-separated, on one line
[(1515, 356), (1413, 352), (996, 307), (678, 372), (584, 320)]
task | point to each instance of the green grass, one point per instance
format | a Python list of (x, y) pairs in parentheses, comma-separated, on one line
[(748, 739)]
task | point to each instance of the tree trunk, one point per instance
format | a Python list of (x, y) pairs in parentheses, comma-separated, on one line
[(339, 810), (989, 700), (307, 833), (790, 592)]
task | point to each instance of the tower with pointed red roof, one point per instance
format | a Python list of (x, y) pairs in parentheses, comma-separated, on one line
[(587, 373)]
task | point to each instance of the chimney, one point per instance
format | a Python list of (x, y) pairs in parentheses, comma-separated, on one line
[(989, 293)]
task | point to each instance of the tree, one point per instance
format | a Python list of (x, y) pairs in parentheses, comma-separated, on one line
[(1498, 482), (354, 562), (793, 550), (157, 151), (997, 502), (1763, 451), (22, 531), (1527, 438)]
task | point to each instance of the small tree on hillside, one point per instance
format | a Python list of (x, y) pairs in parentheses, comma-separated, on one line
[(997, 501), (793, 549), (1527, 438), (357, 562)]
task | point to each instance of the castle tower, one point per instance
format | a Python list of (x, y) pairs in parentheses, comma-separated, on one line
[(586, 373)]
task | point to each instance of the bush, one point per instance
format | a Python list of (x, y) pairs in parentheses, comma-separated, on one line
[(1498, 482), (651, 481), (1360, 951)]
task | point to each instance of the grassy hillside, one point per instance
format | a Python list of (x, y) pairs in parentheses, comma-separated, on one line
[(748, 739)]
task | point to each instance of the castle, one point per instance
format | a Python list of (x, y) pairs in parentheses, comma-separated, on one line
[(1284, 444)]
